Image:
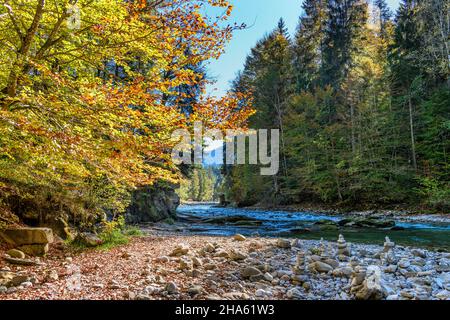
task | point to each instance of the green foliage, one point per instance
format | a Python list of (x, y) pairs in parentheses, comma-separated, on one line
[(202, 184), (365, 119)]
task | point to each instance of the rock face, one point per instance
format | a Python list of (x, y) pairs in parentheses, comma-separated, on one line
[(152, 204), (32, 241), (27, 236)]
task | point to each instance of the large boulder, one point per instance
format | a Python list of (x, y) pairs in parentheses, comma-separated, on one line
[(372, 287), (25, 236), (152, 204)]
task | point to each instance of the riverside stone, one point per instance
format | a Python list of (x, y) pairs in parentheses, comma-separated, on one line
[(239, 237), (284, 244), (14, 253), (248, 272), (24, 236)]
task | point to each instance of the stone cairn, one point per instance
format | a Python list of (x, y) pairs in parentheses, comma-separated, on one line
[(388, 245), (343, 249), (388, 255), (300, 266)]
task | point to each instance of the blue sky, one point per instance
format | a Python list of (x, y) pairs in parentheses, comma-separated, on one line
[(261, 17)]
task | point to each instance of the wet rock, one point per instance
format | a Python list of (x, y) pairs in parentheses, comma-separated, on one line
[(443, 295), (14, 253), (419, 253)]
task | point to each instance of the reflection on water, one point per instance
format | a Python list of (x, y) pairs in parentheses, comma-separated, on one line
[(293, 224)]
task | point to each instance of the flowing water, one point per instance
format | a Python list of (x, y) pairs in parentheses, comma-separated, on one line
[(211, 220)]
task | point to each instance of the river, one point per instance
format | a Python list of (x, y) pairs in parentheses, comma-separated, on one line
[(207, 219)]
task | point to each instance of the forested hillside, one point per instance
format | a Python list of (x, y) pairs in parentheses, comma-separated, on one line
[(362, 99)]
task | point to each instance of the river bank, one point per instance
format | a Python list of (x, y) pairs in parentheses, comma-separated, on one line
[(405, 215), (168, 266)]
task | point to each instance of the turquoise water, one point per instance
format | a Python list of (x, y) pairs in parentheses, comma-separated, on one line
[(297, 224)]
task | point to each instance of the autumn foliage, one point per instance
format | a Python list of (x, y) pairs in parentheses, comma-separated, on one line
[(87, 112)]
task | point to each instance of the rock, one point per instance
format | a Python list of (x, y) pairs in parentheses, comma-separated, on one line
[(195, 290), (88, 239), (19, 279), (197, 262), (320, 267), (5, 278), (69, 259), (222, 254), (162, 259), (294, 294), (14, 253), (363, 222), (209, 248), (186, 264), (419, 253), (372, 288), (268, 277), (239, 237), (3, 289), (443, 295), (210, 266), (260, 293), (331, 262), (284, 244), (24, 236), (22, 262), (248, 272), (35, 250), (345, 272), (171, 288), (237, 256), (404, 263), (179, 251), (52, 276)]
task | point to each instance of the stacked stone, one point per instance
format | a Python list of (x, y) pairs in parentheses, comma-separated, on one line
[(300, 266), (388, 245), (343, 249)]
